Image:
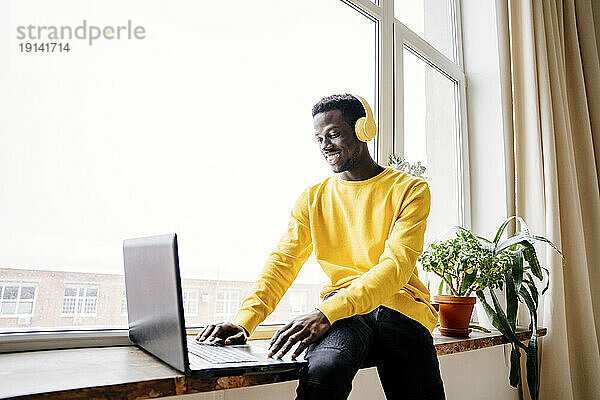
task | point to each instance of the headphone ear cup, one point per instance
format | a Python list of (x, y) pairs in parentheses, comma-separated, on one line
[(359, 129), (365, 127), (370, 129)]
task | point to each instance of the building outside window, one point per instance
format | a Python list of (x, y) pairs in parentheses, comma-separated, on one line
[(80, 300), (17, 299), (190, 301), (226, 304), (298, 302), (124, 304)]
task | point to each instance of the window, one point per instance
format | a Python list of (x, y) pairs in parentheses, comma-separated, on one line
[(124, 304), (433, 20), (80, 300), (298, 302), (226, 305), (227, 127), (17, 299), (429, 103), (190, 301)]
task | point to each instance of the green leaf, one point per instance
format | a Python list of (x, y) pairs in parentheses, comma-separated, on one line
[(501, 229), (515, 366), (498, 318), (479, 328), (441, 287), (531, 257), (532, 347), (543, 239), (483, 239), (517, 270), (547, 282), (532, 288), (467, 282), (512, 301), (504, 321), (517, 239), (524, 227)]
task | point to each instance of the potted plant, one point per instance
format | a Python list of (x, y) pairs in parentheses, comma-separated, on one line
[(519, 281), (465, 265), (470, 263)]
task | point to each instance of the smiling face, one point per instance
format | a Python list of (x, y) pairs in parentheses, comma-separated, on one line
[(337, 141)]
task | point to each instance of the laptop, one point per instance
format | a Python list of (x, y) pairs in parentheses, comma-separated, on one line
[(156, 318)]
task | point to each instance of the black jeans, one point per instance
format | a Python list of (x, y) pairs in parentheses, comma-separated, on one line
[(400, 347)]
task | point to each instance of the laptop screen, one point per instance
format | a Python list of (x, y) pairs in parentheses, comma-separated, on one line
[(154, 305)]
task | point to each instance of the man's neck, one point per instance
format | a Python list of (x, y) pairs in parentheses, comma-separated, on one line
[(362, 171)]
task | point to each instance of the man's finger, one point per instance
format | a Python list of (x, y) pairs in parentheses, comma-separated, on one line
[(302, 346), (237, 338), (280, 339), (205, 332), (215, 333), (283, 338), (292, 340), (278, 333)]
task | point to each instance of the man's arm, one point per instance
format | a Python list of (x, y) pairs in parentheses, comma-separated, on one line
[(279, 272)]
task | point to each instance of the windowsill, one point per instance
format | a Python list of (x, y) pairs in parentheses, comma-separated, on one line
[(26, 339), (135, 374)]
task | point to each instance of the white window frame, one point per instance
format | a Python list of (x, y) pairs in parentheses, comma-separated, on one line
[(389, 111), (77, 287), (393, 34), (20, 284)]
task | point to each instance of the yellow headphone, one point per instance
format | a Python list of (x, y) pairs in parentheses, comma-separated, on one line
[(365, 127)]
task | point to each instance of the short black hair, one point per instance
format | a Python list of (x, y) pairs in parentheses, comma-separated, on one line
[(351, 108)]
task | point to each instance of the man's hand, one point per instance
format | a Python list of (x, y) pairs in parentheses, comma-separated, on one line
[(225, 331), (306, 329)]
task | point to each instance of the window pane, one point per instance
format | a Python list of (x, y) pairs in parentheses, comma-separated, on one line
[(430, 137), (8, 307), (27, 292), (90, 306), (213, 106), (25, 308), (430, 19), (68, 306), (10, 292)]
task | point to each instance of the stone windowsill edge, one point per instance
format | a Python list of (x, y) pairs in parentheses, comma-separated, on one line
[(476, 341), (182, 384)]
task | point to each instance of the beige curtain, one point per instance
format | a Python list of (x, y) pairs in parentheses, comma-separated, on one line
[(551, 100)]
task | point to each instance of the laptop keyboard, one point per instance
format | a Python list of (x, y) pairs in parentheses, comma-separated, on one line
[(218, 354)]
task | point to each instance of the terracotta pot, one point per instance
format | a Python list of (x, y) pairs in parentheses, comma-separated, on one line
[(455, 314)]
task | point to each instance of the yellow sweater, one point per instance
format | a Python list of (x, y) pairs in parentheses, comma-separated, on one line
[(366, 235)]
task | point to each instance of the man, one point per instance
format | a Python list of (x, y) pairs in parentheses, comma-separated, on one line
[(366, 226)]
